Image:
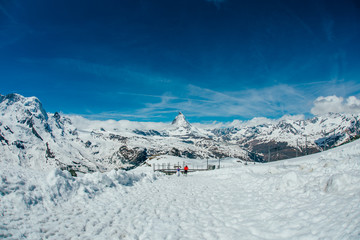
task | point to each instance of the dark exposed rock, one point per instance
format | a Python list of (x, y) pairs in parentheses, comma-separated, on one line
[(148, 133), (73, 132), (29, 122), (57, 116), (328, 142), (19, 144), (96, 135), (36, 133), (2, 139), (72, 172), (8, 129), (47, 128), (87, 144), (12, 97), (224, 131), (134, 156), (175, 152), (117, 137), (49, 153), (274, 151), (189, 154)]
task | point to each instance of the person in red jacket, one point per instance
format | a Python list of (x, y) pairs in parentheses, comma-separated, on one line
[(186, 168)]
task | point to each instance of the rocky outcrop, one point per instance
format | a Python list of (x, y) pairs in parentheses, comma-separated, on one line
[(129, 157)]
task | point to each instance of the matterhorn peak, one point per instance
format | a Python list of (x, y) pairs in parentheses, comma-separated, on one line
[(180, 121)]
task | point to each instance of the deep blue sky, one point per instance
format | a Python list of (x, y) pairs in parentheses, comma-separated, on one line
[(147, 59)]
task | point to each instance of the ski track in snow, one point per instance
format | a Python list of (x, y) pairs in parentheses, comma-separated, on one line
[(314, 197)]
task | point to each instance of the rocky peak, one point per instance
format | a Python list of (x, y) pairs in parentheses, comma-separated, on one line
[(11, 98), (57, 116), (180, 121)]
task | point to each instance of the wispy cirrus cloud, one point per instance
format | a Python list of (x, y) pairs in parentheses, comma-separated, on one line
[(196, 101), (246, 104), (109, 71), (273, 102)]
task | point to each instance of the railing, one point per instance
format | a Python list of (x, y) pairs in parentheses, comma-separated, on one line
[(169, 169)]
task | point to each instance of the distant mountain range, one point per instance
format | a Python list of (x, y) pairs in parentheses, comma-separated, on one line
[(31, 137)]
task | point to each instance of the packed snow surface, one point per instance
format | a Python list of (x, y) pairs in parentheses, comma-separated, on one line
[(313, 197)]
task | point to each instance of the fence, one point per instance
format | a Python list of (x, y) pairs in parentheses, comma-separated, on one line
[(169, 169)]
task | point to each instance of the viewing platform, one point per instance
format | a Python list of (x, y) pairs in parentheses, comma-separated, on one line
[(172, 169)]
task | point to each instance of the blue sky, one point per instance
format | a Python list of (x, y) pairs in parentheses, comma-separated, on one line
[(146, 60)]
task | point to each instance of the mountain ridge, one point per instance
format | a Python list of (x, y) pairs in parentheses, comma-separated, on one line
[(34, 138)]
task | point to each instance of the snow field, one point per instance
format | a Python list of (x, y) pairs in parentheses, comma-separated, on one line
[(313, 197)]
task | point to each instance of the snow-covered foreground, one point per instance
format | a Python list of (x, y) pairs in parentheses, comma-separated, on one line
[(314, 197)]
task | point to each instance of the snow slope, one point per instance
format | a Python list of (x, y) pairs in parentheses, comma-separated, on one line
[(312, 197)]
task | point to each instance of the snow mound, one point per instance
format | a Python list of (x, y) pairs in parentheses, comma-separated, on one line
[(29, 188)]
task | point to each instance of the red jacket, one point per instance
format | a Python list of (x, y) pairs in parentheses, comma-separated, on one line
[(186, 168)]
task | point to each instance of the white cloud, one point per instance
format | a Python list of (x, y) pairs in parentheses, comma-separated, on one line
[(334, 104), (292, 117), (353, 104)]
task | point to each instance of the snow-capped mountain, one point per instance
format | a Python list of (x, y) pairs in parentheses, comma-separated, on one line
[(181, 122), (281, 139), (37, 139), (34, 138), (181, 127)]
